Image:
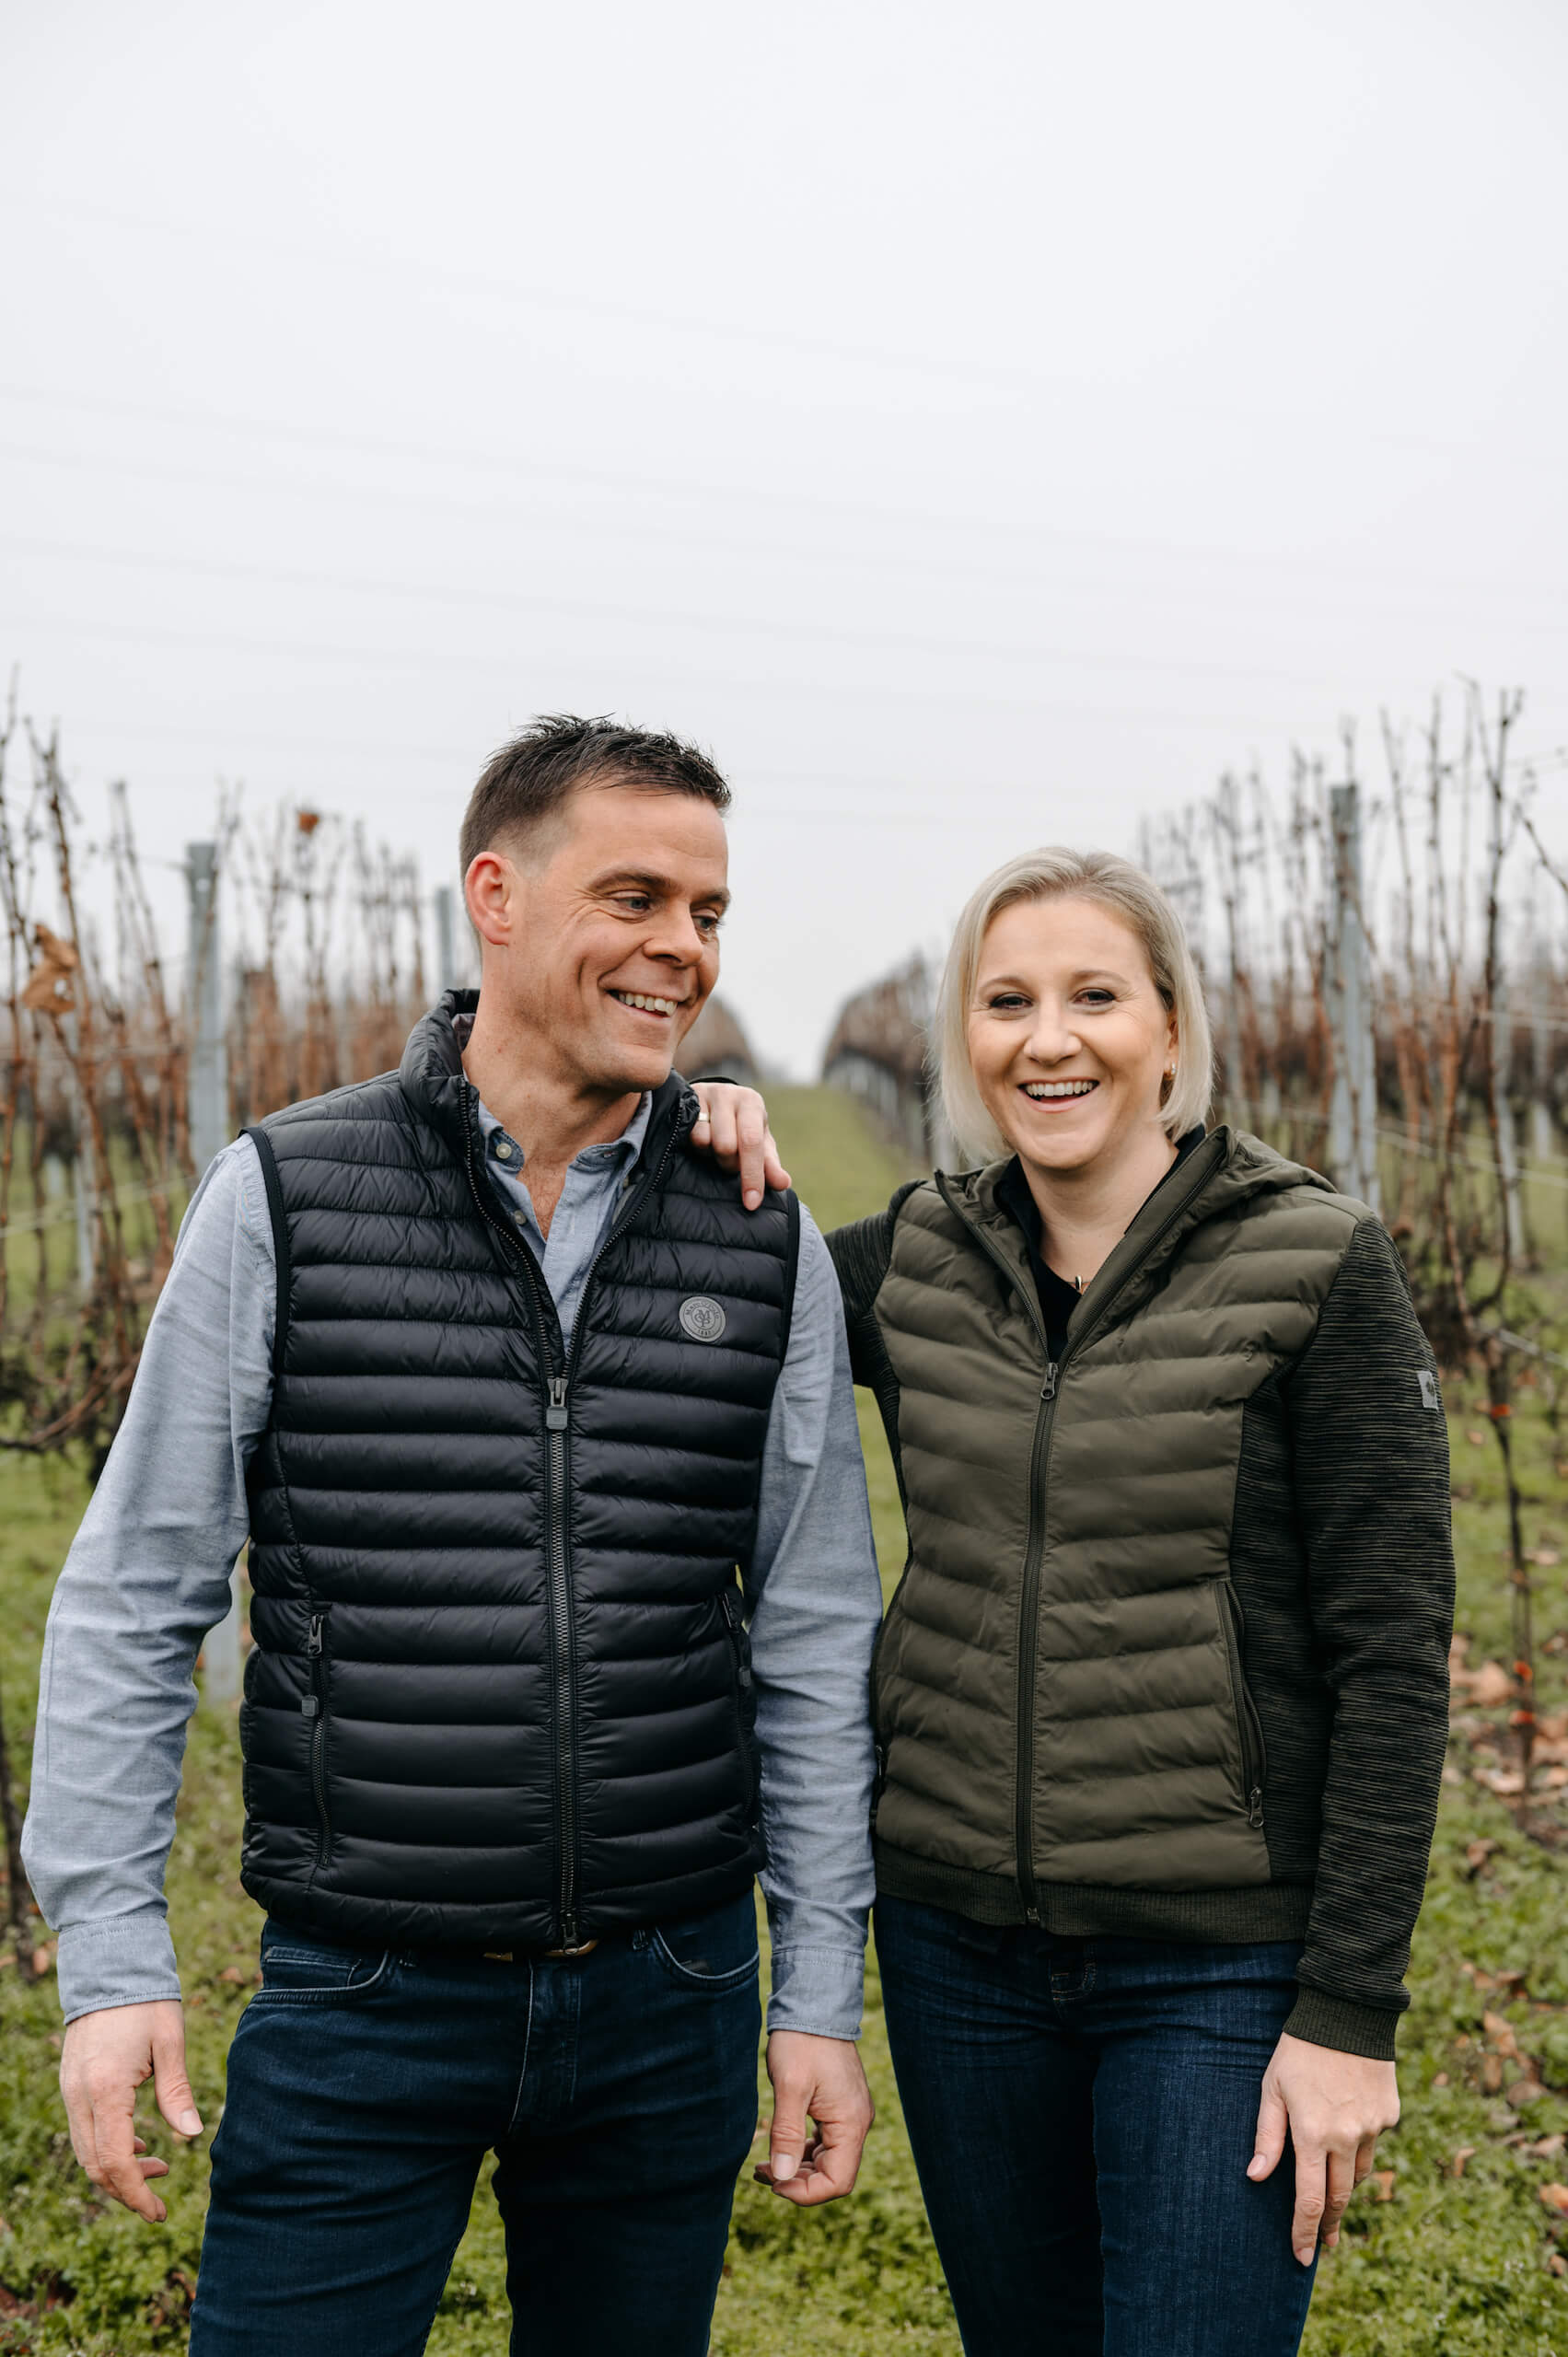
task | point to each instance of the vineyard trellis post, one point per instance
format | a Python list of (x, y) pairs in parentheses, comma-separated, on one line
[(208, 1090), (1347, 989), (446, 940), (1507, 1145), (1542, 1145), (81, 1193), (208, 1101)]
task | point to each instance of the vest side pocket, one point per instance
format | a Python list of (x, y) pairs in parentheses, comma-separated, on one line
[(1249, 1727), (880, 1734), (745, 1704), (313, 1708)]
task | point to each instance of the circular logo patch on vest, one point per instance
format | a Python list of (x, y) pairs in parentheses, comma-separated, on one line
[(701, 1317)]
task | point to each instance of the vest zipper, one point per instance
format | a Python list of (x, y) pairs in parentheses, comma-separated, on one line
[(1034, 1546), (313, 1707), (558, 1586), (558, 1424), (557, 1420), (558, 1539), (1034, 1552)]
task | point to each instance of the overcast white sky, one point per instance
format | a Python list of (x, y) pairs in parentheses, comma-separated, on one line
[(979, 424)]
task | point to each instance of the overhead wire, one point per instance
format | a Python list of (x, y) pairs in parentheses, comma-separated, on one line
[(551, 603), (794, 500), (407, 658), (952, 366)]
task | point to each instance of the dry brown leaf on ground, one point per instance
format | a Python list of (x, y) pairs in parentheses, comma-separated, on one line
[(1555, 2197), (1383, 2184), (1466, 2153)]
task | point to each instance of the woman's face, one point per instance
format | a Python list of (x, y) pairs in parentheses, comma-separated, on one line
[(1068, 1037)]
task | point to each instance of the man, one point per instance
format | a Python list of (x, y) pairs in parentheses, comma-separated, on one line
[(502, 1383)]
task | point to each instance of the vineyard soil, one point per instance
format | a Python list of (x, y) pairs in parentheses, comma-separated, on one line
[(1442, 2256)]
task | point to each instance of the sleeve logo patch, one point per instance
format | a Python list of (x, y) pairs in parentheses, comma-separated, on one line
[(703, 1319), (1430, 1395)]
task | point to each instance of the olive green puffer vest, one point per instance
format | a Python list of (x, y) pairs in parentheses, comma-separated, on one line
[(1059, 1691)]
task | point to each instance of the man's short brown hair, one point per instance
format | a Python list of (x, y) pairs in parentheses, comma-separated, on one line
[(532, 776)]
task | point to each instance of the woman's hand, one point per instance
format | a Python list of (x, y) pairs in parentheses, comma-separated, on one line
[(733, 1127), (1335, 2107)]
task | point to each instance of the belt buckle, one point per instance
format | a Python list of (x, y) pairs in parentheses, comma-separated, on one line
[(586, 1948)]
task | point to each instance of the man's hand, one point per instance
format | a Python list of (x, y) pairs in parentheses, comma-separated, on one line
[(1335, 2106), (819, 2078), (105, 2059), (733, 1127)]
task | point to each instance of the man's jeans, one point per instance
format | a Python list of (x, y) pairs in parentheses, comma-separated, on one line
[(619, 2090), (1082, 2114)]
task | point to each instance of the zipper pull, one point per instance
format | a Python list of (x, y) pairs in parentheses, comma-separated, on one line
[(556, 1416), (729, 1604), (310, 1703), (1048, 1389), (1254, 1808)]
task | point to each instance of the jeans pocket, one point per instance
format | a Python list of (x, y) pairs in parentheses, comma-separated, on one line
[(296, 1969), (714, 1951)]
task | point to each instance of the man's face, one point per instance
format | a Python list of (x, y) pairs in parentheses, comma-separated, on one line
[(610, 932)]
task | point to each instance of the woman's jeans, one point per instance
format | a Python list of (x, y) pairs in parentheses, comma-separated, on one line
[(1082, 2113), (618, 2088)]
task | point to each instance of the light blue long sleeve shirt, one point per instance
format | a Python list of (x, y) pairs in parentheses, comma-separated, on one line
[(148, 1575)]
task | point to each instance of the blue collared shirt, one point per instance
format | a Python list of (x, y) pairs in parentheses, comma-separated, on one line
[(596, 1179), (148, 1575)]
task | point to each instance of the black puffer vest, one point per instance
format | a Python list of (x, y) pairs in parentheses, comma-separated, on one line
[(499, 1693)]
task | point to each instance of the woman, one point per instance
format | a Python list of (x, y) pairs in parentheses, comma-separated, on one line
[(1161, 1699)]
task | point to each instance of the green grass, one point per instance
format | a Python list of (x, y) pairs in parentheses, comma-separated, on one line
[(1443, 2266)]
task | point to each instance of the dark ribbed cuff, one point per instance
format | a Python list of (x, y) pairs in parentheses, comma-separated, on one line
[(1323, 2020)]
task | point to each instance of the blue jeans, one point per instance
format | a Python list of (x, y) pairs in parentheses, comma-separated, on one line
[(619, 2090), (1082, 2114)]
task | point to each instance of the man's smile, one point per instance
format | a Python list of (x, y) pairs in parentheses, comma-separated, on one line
[(646, 1003)]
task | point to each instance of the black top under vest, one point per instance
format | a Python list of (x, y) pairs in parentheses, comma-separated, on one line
[(1058, 1299), (500, 1694)]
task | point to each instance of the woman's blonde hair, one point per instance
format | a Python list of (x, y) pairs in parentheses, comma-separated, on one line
[(1115, 884)]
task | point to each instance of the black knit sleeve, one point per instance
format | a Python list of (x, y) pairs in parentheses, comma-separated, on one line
[(1371, 1475)]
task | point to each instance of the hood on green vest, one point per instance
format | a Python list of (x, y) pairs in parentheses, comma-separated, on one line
[(1228, 1170)]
